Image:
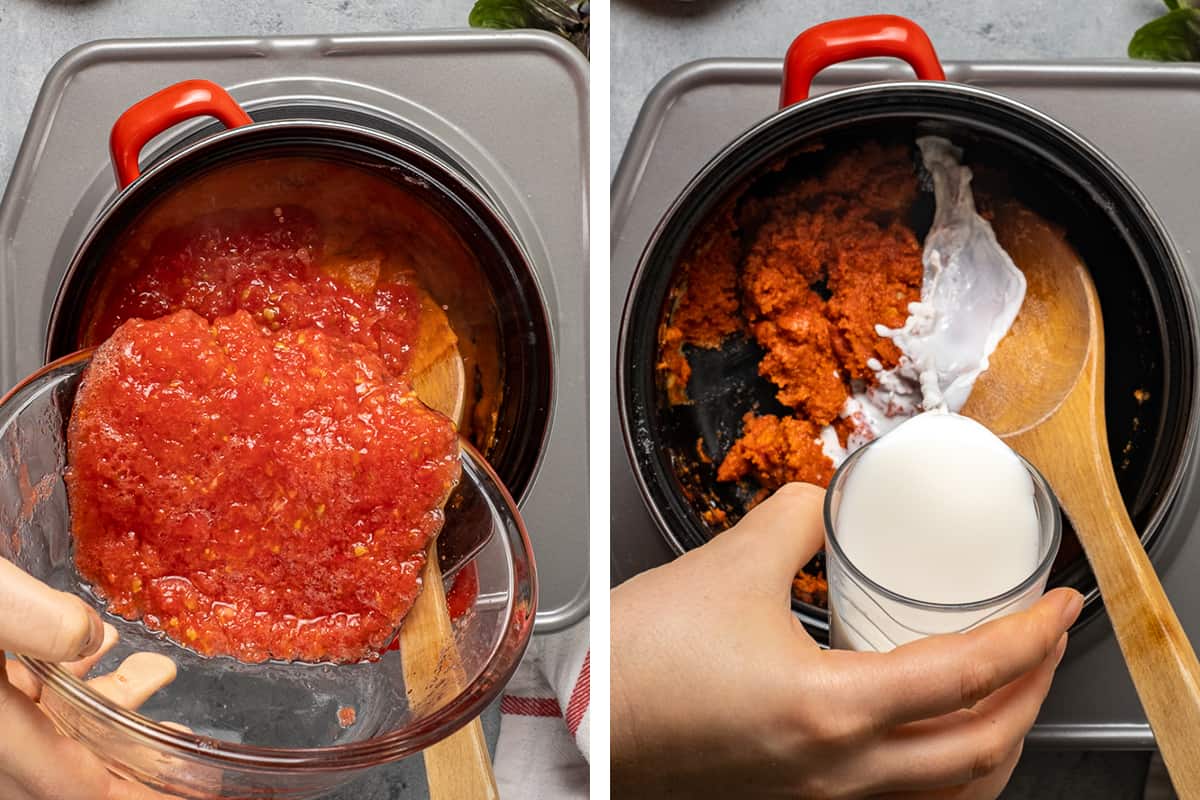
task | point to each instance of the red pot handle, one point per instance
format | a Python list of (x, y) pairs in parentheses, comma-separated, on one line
[(857, 37), (148, 118)]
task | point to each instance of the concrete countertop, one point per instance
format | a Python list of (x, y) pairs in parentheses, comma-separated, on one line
[(652, 37), (36, 33)]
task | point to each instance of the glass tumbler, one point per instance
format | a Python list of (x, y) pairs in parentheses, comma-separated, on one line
[(866, 615)]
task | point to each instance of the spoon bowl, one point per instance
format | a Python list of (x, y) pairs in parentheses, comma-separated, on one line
[(1035, 366)]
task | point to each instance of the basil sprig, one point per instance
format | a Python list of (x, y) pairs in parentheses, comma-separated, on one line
[(567, 18), (1175, 36)]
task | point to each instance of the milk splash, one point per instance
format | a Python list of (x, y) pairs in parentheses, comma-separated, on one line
[(971, 291)]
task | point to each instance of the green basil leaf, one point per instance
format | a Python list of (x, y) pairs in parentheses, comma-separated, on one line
[(567, 18), (501, 14), (1175, 36)]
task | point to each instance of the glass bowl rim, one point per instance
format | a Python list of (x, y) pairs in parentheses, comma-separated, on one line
[(467, 705)]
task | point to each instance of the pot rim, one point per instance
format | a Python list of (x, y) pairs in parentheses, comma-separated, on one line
[(461, 188), (1172, 263)]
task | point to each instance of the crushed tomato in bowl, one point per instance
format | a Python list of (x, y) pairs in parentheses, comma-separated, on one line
[(252, 492)]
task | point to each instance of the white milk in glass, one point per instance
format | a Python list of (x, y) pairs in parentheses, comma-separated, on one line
[(940, 511)]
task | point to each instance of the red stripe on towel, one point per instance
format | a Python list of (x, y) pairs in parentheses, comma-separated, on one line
[(530, 706), (580, 696)]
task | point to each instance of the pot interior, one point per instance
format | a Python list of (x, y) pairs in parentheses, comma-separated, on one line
[(380, 214), (1149, 360)]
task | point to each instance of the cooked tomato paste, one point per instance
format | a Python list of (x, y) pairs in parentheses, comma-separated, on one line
[(807, 269), (255, 492)]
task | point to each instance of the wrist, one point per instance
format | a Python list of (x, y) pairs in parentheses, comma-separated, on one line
[(630, 775)]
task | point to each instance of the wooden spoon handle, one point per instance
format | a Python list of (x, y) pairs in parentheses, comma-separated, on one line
[(458, 767), (1161, 660)]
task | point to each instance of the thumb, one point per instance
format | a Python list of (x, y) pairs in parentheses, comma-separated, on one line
[(783, 532), (44, 623)]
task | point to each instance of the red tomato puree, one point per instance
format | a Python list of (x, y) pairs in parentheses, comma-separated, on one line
[(253, 492), (272, 262)]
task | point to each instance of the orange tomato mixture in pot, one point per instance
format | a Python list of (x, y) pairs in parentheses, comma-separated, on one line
[(806, 272)]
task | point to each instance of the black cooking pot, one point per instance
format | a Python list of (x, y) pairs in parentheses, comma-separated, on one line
[(1149, 320), (462, 248)]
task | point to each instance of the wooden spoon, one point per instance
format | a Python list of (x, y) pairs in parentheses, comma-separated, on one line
[(1044, 395), (458, 767)]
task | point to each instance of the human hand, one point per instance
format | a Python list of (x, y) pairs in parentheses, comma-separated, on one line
[(36, 762), (717, 690)]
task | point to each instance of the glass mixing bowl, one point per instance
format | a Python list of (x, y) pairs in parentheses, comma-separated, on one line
[(224, 729)]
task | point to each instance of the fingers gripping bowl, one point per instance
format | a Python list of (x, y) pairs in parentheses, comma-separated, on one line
[(677, 447), (268, 730)]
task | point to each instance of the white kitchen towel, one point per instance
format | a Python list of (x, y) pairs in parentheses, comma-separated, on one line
[(544, 720)]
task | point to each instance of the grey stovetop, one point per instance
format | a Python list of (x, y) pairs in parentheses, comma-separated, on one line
[(652, 37)]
